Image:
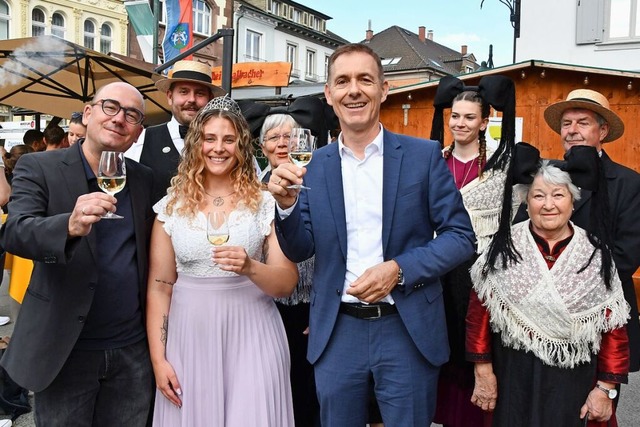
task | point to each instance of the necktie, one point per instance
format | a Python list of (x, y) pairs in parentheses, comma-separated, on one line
[(183, 130)]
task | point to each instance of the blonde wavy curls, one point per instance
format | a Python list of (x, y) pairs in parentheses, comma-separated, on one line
[(187, 186)]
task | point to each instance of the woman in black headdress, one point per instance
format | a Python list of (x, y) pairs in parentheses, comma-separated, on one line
[(546, 320), (480, 174)]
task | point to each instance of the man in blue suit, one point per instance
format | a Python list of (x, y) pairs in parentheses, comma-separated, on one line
[(375, 203)]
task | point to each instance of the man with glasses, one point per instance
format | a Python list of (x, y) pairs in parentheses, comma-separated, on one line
[(80, 342), (188, 88)]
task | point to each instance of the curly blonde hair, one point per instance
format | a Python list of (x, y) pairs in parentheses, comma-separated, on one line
[(187, 186)]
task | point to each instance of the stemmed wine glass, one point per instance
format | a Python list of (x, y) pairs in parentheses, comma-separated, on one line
[(112, 176), (301, 147), (217, 228)]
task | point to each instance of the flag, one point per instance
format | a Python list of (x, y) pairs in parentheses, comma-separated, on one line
[(178, 35), (142, 20)]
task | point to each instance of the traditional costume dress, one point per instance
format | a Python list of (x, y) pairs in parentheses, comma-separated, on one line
[(550, 327)]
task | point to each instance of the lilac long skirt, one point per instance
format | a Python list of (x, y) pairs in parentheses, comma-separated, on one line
[(228, 347)]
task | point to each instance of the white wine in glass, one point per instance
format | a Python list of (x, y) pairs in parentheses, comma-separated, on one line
[(112, 176), (301, 147), (217, 228)]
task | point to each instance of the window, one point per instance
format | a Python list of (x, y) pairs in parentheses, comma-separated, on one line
[(326, 67), (275, 8), (252, 50), (624, 20), (57, 25), (311, 65), (297, 16), (609, 21), (292, 57), (4, 20), (201, 17), (105, 38), (37, 22), (89, 35)]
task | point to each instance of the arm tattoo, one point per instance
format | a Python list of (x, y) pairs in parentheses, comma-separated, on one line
[(163, 329)]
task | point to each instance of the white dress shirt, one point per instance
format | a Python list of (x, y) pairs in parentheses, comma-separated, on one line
[(362, 187), (135, 151)]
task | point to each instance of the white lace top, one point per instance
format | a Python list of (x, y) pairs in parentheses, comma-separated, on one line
[(189, 235)]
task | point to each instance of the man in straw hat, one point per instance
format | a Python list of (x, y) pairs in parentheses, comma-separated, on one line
[(585, 118), (188, 87)]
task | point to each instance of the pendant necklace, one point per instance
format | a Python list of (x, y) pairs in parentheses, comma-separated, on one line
[(464, 178), (219, 200)]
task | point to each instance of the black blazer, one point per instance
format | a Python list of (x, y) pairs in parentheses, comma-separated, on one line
[(44, 192)]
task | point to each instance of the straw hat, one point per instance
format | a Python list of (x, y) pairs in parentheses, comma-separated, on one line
[(189, 71), (585, 99)]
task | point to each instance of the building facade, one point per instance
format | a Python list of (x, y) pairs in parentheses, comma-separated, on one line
[(96, 24), (597, 33), (282, 30)]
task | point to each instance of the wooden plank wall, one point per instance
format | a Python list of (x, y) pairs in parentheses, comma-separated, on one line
[(533, 94)]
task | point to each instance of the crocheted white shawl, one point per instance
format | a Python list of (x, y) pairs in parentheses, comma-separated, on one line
[(557, 314)]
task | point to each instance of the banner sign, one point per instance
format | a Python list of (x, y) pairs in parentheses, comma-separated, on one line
[(178, 35), (244, 74)]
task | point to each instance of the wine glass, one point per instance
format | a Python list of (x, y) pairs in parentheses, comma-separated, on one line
[(301, 147), (112, 176), (217, 228)]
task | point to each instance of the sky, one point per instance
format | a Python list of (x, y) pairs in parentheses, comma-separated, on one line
[(454, 22)]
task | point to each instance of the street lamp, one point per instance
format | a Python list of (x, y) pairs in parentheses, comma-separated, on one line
[(514, 17)]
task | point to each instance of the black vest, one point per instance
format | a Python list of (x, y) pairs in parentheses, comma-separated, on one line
[(159, 153)]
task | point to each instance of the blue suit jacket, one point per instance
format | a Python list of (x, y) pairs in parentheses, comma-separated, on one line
[(420, 200)]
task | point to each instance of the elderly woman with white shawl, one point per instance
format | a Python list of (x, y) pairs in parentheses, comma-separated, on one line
[(546, 320)]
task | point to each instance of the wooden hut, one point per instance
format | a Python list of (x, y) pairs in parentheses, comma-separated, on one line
[(409, 110)]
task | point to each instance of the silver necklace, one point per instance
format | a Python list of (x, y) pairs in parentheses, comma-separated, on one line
[(464, 179), (219, 200)]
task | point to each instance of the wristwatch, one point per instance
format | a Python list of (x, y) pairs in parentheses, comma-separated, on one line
[(611, 393), (400, 277)]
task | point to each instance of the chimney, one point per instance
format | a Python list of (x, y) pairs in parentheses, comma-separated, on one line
[(369, 34), (421, 33), (463, 50), (430, 35)]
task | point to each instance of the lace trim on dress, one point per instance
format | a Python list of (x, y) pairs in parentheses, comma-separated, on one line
[(188, 235), (558, 314)]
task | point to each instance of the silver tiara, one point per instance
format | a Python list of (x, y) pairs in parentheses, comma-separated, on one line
[(224, 103)]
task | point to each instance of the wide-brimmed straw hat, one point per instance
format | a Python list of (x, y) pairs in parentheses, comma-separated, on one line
[(585, 99), (192, 72)]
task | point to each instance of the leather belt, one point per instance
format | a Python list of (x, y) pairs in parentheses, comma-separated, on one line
[(368, 311)]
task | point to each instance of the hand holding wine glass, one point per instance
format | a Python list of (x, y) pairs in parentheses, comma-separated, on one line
[(217, 228), (301, 147), (112, 176)]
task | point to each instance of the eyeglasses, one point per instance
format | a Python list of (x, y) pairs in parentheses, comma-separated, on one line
[(276, 138), (112, 107)]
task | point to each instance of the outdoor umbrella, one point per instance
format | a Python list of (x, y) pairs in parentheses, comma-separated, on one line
[(50, 75)]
